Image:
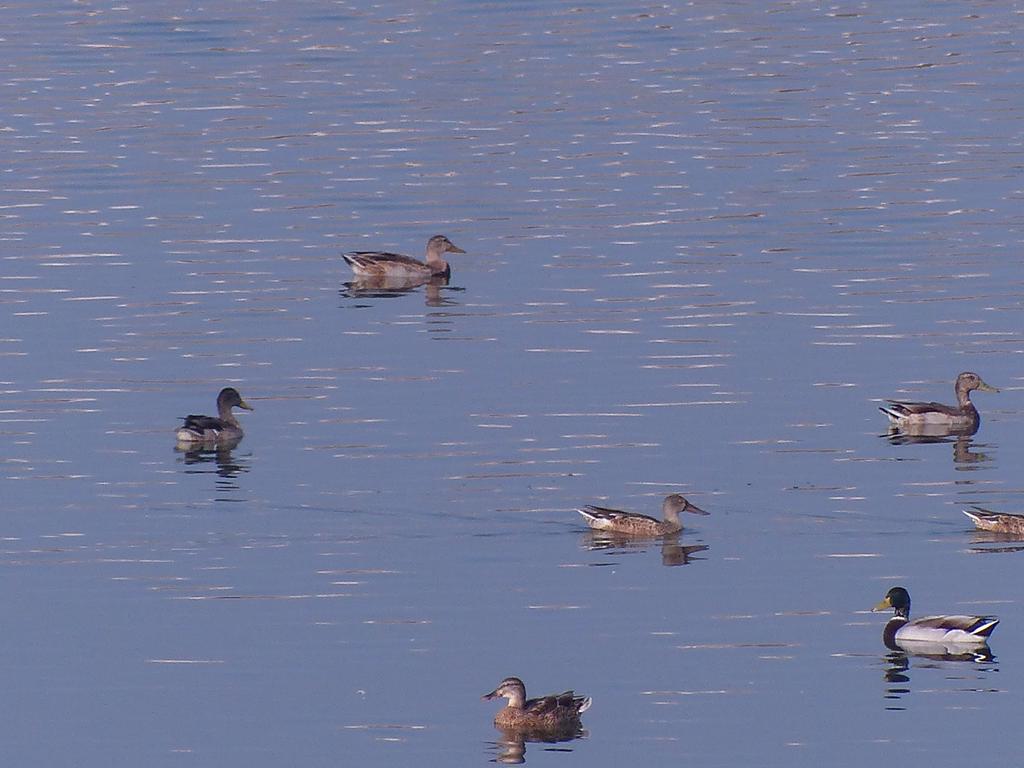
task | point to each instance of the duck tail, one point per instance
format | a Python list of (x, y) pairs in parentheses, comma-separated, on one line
[(985, 520), (894, 416), (587, 513), (973, 515), (985, 626)]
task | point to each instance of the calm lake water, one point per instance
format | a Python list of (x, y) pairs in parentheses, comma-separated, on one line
[(702, 243)]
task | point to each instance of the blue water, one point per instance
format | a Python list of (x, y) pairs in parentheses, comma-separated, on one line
[(702, 244)]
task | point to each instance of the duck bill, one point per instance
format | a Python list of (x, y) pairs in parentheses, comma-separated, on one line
[(453, 248), (695, 509), (243, 404), (488, 696), (882, 605), (987, 387)]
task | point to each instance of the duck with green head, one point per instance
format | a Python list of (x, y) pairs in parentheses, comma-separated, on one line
[(950, 631)]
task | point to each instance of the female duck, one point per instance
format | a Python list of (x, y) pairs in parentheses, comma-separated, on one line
[(378, 264), (549, 713), (962, 416), (946, 631), (996, 522), (635, 524), (222, 428)]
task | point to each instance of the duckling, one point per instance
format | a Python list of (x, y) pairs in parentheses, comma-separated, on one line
[(635, 524), (381, 263), (553, 712), (900, 632), (905, 414), (210, 429)]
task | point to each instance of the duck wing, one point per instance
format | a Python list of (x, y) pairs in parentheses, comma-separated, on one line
[(591, 512), (953, 626), (904, 408), (203, 423), (555, 701), (541, 705), (380, 257), (569, 699)]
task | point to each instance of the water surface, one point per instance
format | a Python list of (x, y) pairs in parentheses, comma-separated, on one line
[(703, 243)]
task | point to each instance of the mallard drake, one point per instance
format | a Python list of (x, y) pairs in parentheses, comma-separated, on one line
[(905, 414), (900, 632), (997, 522), (635, 524), (554, 712), (210, 429), (383, 264)]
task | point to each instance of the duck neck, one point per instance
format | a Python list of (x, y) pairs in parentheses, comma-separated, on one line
[(670, 509), (433, 253), (963, 398), (889, 633), (437, 265), (225, 415)]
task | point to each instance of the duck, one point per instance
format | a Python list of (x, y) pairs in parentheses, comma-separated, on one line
[(367, 264), (635, 524), (220, 428), (555, 712), (904, 414), (997, 522), (901, 633)]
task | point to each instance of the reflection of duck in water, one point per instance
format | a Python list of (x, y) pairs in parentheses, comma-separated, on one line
[(996, 522), (635, 524), (898, 668), (381, 264), (552, 714), (935, 418), (964, 458), (672, 551), (511, 745), (222, 428), (220, 453), (388, 287), (931, 635)]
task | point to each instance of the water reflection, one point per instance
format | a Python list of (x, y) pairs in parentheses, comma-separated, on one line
[(218, 459), (929, 433), (391, 287), (673, 552), (895, 675), (964, 458), (939, 651), (511, 747), (898, 665), (991, 542)]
